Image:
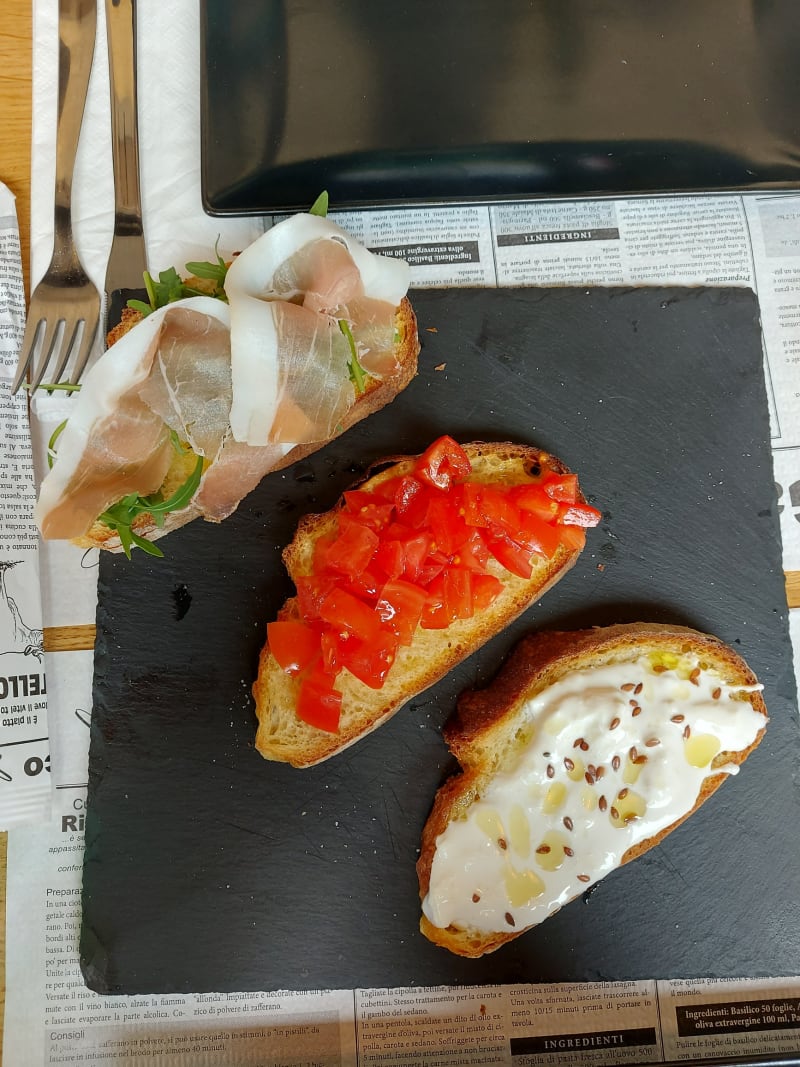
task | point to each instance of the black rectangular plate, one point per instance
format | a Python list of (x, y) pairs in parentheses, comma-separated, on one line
[(446, 101), (209, 869)]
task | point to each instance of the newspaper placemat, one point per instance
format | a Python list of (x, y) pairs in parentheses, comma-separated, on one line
[(50, 1017), (25, 789)]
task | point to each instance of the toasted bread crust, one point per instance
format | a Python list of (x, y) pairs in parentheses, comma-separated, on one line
[(377, 393), (282, 736), (482, 729)]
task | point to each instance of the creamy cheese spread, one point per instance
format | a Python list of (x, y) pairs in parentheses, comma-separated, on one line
[(613, 755)]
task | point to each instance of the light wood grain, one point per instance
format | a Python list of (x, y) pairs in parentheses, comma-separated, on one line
[(15, 172), (15, 109), (81, 638), (793, 588), (69, 638)]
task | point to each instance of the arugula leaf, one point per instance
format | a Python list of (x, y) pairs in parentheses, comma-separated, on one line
[(171, 287), (320, 205), (358, 376), (216, 272), (166, 290), (64, 387), (120, 516), (52, 452)]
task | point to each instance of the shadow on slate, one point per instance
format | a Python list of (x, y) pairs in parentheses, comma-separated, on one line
[(208, 868)]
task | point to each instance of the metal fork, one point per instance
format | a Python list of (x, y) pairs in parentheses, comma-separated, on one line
[(66, 303)]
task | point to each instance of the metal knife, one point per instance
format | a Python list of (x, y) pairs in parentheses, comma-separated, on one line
[(128, 258)]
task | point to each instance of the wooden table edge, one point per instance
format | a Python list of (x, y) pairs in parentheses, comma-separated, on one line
[(81, 638)]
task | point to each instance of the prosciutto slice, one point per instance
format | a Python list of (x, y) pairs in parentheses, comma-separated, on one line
[(117, 440), (288, 292), (239, 384)]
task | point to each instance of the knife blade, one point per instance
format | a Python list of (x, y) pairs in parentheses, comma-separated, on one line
[(128, 257)]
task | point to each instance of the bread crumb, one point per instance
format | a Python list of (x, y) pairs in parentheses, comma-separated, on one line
[(440, 366), (431, 329)]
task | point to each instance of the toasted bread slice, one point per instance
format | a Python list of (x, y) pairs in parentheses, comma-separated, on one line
[(561, 757), (432, 653), (377, 393)]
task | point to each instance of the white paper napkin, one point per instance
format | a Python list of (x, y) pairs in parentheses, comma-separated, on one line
[(176, 227), (168, 64)]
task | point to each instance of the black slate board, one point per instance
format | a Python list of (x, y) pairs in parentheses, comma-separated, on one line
[(208, 869)]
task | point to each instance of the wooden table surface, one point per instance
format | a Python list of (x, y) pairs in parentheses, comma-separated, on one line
[(15, 172)]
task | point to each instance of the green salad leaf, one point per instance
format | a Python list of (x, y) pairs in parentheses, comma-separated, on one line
[(171, 287), (320, 205), (120, 516), (358, 376)]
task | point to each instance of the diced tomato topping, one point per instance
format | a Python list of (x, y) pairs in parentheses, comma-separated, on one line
[(469, 499), (533, 498), (369, 661), (473, 552), (391, 558), (447, 527), (443, 463), (319, 704), (311, 591), (542, 537), (368, 511), (365, 584), (434, 614), (400, 606), (294, 644), (561, 487), (573, 538), (346, 612), (407, 490), (458, 592), (486, 588), (578, 515), (512, 555), (501, 512), (415, 550), (351, 549)]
